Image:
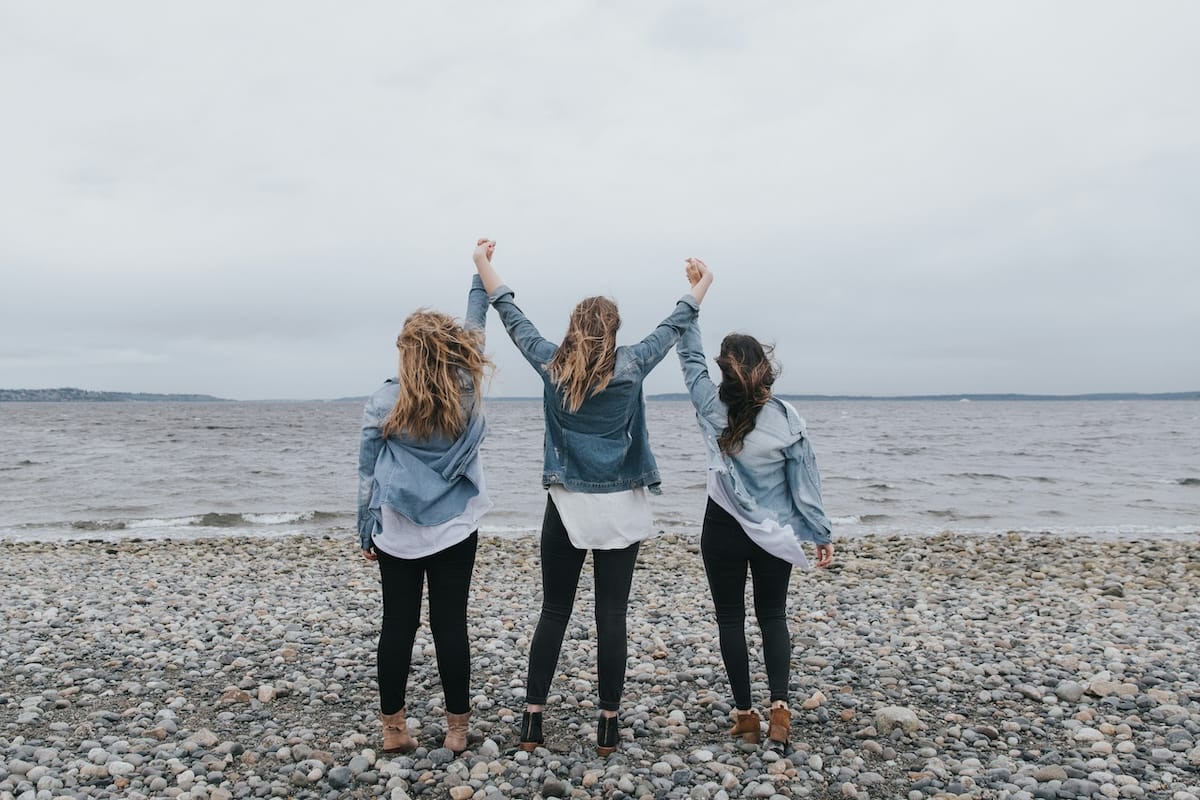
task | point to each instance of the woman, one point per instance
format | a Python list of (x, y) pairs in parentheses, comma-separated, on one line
[(597, 468), (420, 497), (764, 498)]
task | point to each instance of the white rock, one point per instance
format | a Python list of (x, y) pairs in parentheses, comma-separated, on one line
[(205, 738), (891, 717)]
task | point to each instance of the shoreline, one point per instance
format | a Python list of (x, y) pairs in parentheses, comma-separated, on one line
[(240, 667), (843, 532)]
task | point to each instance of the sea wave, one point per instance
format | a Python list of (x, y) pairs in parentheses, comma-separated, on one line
[(219, 522)]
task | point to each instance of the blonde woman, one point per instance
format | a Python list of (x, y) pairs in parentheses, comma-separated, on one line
[(597, 468), (764, 500), (421, 495)]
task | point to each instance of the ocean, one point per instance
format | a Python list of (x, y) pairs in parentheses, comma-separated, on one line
[(159, 469)]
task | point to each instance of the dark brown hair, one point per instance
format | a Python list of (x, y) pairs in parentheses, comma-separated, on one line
[(583, 364), (747, 374)]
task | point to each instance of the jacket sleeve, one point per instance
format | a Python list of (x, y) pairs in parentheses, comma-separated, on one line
[(536, 349), (369, 446), (804, 482), (690, 350), (653, 348), (477, 303)]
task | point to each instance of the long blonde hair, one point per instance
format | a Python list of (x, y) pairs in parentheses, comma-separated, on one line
[(435, 353), (584, 362)]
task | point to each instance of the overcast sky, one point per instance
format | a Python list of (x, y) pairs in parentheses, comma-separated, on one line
[(247, 199)]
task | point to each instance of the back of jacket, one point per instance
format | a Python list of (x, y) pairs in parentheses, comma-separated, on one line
[(775, 473), (426, 480), (604, 446)]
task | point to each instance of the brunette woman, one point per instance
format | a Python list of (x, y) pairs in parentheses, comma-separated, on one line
[(764, 499), (420, 497), (597, 468)]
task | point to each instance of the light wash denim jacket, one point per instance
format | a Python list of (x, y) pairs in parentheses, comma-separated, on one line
[(603, 447), (775, 474), (426, 480)]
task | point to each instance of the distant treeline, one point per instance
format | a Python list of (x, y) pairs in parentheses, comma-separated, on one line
[(69, 395)]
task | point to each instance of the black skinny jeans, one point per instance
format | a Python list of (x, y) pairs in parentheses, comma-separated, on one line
[(561, 565), (727, 551), (449, 574)]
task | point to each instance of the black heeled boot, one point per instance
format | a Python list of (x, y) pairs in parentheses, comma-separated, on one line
[(607, 729), (531, 731)]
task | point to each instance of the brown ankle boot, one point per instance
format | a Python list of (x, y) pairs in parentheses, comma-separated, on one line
[(456, 732), (395, 734), (746, 724), (780, 725)]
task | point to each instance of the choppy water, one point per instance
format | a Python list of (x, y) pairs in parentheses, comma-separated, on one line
[(100, 470)]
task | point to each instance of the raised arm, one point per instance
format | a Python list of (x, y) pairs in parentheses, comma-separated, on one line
[(654, 347), (690, 350), (701, 389), (483, 265), (536, 349), (477, 303)]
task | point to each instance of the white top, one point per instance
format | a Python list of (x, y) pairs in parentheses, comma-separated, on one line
[(402, 538), (778, 540), (608, 521)]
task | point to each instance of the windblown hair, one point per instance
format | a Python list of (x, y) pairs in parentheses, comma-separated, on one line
[(584, 362), (437, 356), (747, 374)]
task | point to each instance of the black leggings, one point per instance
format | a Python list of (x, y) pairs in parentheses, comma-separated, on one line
[(561, 564), (449, 574), (727, 551)]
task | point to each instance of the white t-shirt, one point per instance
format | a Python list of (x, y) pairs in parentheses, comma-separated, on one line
[(402, 538), (778, 540), (608, 521)]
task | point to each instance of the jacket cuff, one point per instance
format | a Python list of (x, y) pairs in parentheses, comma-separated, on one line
[(476, 281), (691, 301), (501, 290)]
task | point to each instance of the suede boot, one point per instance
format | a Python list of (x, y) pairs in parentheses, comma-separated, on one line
[(780, 725), (746, 724), (395, 734), (456, 732)]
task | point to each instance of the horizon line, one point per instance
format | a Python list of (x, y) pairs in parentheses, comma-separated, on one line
[(84, 395)]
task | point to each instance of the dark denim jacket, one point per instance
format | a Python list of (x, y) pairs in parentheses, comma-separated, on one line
[(602, 447), (426, 480), (775, 475)]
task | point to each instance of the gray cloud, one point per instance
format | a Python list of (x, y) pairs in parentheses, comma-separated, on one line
[(917, 199)]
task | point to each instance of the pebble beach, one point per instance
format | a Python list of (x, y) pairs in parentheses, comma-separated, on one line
[(938, 666)]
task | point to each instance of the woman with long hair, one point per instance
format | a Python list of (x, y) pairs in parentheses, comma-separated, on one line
[(420, 497), (596, 469), (764, 499)]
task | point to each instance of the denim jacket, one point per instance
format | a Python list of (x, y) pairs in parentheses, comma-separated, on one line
[(426, 480), (603, 447), (775, 474)]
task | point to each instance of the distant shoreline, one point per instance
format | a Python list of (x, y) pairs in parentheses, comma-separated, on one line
[(72, 395)]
